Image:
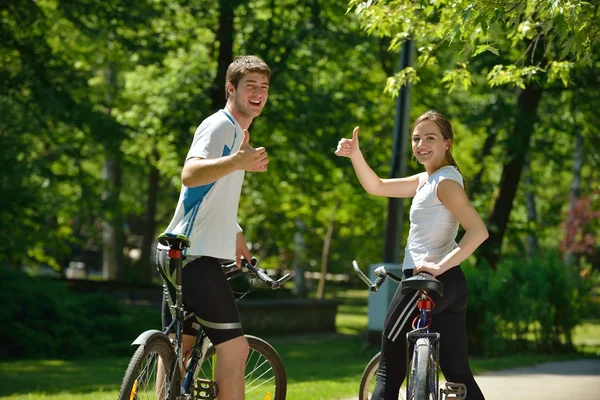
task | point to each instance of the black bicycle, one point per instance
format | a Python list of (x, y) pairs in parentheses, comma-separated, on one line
[(155, 370), (423, 346)]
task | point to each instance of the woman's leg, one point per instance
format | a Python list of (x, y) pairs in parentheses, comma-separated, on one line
[(454, 359), (392, 366), (450, 322)]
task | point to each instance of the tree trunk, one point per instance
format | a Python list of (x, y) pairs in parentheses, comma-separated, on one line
[(113, 236), (325, 252), (475, 185), (225, 38), (146, 263), (300, 288), (533, 247), (575, 189), (518, 146)]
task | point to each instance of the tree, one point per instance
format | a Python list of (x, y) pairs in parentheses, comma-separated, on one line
[(537, 43)]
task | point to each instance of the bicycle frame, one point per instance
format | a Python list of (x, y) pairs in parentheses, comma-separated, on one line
[(208, 388), (420, 331)]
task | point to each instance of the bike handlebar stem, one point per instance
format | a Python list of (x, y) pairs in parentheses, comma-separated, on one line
[(258, 272)]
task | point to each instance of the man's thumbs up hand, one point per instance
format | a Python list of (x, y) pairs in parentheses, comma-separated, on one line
[(249, 158)]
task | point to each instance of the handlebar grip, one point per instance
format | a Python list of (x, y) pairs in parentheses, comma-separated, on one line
[(279, 282), (377, 284)]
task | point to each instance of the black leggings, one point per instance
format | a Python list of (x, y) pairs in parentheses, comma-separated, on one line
[(448, 319)]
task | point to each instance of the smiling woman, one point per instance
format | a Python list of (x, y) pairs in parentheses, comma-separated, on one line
[(439, 205)]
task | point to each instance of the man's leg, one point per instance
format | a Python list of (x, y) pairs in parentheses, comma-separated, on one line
[(207, 294), (231, 362)]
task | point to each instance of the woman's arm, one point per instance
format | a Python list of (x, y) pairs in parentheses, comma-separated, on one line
[(454, 198), (397, 187)]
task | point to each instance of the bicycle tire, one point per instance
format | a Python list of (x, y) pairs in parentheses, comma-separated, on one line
[(140, 377), (369, 377), (260, 353), (367, 381), (420, 370)]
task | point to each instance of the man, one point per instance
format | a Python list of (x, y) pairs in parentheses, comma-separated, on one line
[(212, 180)]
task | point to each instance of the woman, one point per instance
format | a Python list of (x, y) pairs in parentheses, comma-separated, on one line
[(439, 204)]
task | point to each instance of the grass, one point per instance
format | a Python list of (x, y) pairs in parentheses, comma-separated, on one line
[(326, 366)]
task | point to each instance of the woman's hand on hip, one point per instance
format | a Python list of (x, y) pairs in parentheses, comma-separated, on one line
[(428, 267)]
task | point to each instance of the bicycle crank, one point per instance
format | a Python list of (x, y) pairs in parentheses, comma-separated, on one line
[(205, 389), (453, 391)]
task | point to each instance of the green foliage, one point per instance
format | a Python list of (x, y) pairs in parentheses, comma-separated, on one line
[(132, 80), (43, 319), (513, 30), (536, 301)]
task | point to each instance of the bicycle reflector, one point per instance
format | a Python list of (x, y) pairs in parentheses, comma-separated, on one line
[(175, 254), (424, 304)]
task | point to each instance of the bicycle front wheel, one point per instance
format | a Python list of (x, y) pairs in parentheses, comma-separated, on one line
[(420, 370), (264, 377), (147, 376)]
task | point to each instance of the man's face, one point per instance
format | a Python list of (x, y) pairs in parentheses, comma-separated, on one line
[(251, 94)]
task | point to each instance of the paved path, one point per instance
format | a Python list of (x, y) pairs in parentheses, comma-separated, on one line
[(550, 381), (568, 380)]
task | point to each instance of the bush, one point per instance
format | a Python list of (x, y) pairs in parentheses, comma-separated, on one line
[(525, 305), (42, 319)]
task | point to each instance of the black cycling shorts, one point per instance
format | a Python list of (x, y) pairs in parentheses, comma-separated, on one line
[(206, 294)]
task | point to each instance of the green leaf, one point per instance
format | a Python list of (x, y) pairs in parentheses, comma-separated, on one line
[(485, 47)]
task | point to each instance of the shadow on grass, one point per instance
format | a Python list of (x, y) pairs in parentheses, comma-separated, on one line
[(306, 358), (55, 376), (332, 356)]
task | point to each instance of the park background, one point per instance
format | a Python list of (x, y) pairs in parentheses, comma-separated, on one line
[(98, 105)]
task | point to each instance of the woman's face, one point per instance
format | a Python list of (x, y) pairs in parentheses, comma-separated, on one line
[(428, 144)]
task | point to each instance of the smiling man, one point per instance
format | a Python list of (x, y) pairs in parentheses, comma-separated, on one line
[(212, 179)]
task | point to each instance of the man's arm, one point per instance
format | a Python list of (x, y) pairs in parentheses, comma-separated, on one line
[(199, 171)]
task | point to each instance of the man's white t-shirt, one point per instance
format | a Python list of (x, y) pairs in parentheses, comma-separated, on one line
[(433, 228), (207, 214)]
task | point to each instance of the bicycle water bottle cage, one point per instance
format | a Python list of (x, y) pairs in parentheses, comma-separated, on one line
[(174, 242), (422, 282)]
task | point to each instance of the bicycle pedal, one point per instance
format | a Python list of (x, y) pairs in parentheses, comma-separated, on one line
[(205, 389), (453, 391)]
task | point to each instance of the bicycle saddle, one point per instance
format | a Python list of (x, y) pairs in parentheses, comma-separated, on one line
[(177, 242), (422, 281)]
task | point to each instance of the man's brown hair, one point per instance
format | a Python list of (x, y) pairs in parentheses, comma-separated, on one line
[(242, 65)]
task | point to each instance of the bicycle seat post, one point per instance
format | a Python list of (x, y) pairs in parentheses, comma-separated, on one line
[(176, 243), (176, 256)]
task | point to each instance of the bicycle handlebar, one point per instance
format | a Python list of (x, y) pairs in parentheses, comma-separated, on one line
[(233, 271), (381, 274)]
